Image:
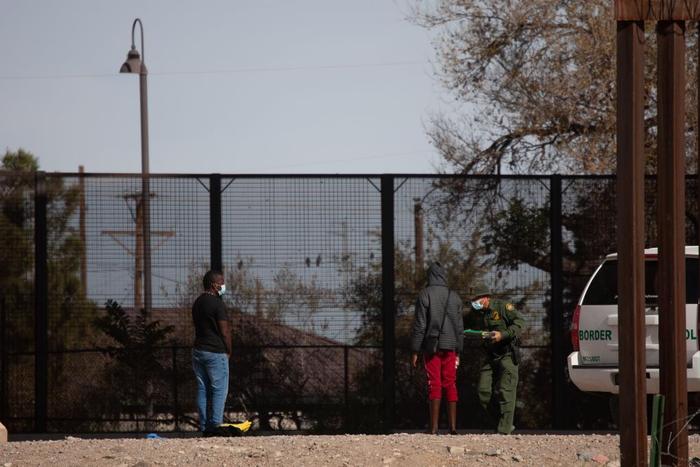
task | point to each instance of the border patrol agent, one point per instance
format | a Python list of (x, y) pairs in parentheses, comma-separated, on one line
[(499, 374)]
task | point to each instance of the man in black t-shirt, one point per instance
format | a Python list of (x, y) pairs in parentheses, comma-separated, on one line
[(211, 352)]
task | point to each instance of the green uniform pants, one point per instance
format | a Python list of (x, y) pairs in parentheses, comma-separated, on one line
[(499, 378)]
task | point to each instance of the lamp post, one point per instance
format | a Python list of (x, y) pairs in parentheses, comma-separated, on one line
[(135, 64)]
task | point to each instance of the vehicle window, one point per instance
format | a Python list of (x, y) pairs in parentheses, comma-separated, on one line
[(603, 289)]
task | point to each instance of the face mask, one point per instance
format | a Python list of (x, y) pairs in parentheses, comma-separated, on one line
[(477, 305), (222, 290)]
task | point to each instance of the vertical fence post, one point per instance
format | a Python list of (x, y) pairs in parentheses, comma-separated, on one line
[(671, 222), (418, 239), (41, 303), (215, 221), (346, 381), (630, 240), (556, 321), (82, 209), (176, 401), (388, 300)]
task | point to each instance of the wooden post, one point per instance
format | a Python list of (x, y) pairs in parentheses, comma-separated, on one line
[(671, 224), (670, 17), (630, 240)]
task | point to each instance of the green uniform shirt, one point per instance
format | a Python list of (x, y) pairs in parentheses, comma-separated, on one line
[(499, 316)]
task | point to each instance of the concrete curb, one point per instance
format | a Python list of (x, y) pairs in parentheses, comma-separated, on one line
[(3, 434)]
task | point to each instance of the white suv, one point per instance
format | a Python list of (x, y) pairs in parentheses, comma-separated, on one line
[(593, 365)]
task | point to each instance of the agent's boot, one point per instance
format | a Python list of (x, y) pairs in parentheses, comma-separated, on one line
[(452, 417), (434, 406)]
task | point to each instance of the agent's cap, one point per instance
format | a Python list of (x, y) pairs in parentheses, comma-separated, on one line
[(480, 293)]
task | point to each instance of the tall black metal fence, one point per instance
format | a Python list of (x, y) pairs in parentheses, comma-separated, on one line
[(323, 272)]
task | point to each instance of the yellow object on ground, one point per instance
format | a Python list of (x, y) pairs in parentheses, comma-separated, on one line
[(243, 426)]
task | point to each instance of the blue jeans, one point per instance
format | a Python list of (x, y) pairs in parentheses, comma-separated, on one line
[(211, 371)]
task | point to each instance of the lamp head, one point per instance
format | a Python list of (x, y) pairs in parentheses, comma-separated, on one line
[(133, 63)]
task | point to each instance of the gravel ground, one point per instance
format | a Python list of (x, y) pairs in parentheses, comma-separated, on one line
[(312, 450)]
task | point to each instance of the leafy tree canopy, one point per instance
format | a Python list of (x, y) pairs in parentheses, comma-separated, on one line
[(535, 80), (21, 160)]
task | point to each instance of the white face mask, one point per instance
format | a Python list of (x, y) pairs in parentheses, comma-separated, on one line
[(477, 305), (222, 290)]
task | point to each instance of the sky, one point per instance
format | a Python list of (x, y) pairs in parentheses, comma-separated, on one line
[(234, 86)]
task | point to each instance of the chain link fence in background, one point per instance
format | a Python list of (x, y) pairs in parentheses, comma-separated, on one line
[(320, 341)]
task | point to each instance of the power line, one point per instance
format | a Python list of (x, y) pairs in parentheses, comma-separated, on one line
[(263, 69)]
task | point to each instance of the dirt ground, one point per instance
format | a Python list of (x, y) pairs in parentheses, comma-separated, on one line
[(313, 450)]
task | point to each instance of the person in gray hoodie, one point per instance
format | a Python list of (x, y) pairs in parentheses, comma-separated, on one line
[(438, 333)]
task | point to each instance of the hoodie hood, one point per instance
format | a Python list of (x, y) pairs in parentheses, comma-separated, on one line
[(436, 274)]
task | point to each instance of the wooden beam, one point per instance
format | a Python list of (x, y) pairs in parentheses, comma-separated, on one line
[(671, 224), (630, 240), (657, 10)]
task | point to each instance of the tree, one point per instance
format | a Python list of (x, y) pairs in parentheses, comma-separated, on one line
[(17, 251), (70, 312), (69, 308), (537, 80), (136, 375)]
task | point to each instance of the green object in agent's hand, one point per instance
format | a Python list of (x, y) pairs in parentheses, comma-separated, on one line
[(477, 333)]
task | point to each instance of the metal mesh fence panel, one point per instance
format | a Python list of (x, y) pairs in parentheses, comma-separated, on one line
[(294, 247), (589, 226), (181, 249), (297, 252), (82, 398), (19, 392), (302, 257), (112, 394), (17, 299), (100, 220), (95, 249), (488, 233), (111, 212)]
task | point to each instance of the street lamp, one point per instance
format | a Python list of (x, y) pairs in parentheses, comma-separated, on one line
[(135, 64)]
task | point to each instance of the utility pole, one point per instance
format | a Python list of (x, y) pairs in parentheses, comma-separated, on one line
[(138, 250)]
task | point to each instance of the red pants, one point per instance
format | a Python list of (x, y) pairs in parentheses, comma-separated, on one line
[(441, 372)]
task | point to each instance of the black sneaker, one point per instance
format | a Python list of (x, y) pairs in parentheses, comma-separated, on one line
[(213, 431)]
